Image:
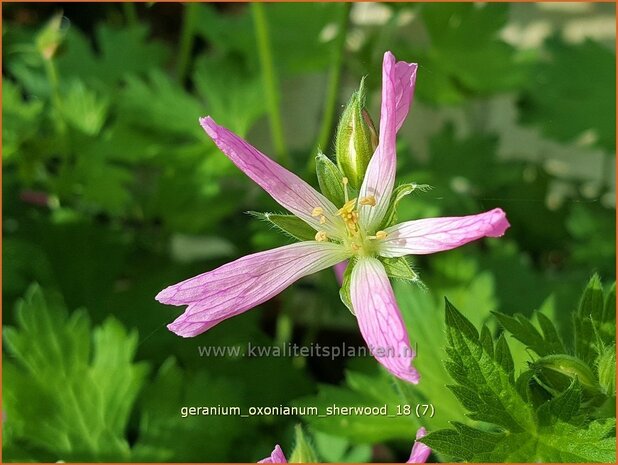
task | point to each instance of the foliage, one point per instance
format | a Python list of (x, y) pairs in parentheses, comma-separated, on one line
[(548, 413)]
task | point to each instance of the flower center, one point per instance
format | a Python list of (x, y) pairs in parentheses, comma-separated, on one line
[(354, 239)]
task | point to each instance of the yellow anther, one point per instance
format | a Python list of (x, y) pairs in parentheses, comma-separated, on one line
[(345, 181), (322, 219), (317, 211), (355, 247), (321, 236), (369, 200), (381, 235), (348, 207)]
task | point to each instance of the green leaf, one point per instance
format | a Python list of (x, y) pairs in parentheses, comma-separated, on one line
[(20, 119), (161, 106), (609, 311), (606, 370), (566, 109), (496, 399), (232, 92), (399, 268), (84, 109), (399, 193), (335, 449), (544, 342), (555, 432), (466, 54), (71, 390), (288, 224), (121, 52), (587, 319), (330, 179)]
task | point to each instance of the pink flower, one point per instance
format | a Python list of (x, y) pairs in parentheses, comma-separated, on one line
[(276, 456), (420, 452), (351, 231)]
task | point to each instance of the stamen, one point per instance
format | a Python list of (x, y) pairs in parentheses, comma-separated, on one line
[(322, 219), (345, 188), (380, 235), (321, 236), (317, 211), (368, 200)]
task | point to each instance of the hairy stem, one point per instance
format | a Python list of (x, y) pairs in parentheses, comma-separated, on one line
[(332, 87), (269, 80), (187, 36)]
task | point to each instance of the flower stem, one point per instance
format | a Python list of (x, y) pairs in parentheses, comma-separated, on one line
[(187, 36), (269, 80), (130, 13), (334, 78)]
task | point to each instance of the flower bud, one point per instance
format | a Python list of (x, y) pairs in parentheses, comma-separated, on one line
[(51, 36), (303, 451), (330, 179), (357, 138), (557, 372)]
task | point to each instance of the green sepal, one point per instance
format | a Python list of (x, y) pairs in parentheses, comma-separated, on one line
[(399, 193), (399, 268), (303, 450), (330, 179), (357, 138), (344, 292), (288, 224)]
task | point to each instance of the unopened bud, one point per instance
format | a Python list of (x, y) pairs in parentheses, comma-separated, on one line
[(303, 451), (357, 138), (51, 36), (557, 372)]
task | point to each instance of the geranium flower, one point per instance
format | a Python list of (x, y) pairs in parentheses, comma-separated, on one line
[(276, 456), (420, 452), (349, 231)]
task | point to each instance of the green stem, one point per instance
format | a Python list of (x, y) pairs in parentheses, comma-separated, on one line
[(52, 77), (187, 36), (61, 125), (269, 79), (130, 13), (332, 87)]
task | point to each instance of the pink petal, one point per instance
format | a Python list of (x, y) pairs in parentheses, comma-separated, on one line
[(398, 79), (379, 319), (420, 452), (405, 80), (276, 456), (432, 235), (284, 186), (339, 270), (242, 284)]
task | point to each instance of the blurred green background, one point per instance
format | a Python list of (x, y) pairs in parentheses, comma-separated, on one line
[(111, 191)]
